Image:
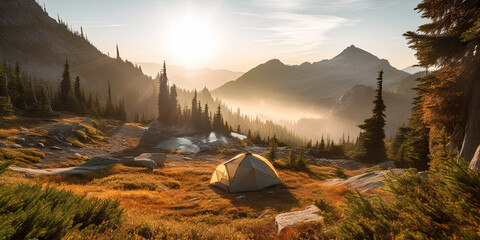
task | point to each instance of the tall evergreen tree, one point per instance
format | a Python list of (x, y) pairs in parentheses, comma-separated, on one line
[(371, 141), (18, 96), (173, 105), (163, 97), (65, 86), (207, 125), (218, 120), (109, 108), (451, 41)]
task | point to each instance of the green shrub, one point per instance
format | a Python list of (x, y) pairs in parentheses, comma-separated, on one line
[(36, 212), (446, 205)]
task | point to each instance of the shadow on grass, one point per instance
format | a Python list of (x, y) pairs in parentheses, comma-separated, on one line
[(277, 197)]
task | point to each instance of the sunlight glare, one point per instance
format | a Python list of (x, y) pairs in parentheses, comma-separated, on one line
[(191, 40)]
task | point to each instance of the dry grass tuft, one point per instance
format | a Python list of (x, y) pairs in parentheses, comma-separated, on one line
[(24, 156)]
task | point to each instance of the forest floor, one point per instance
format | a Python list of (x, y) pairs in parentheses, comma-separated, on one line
[(175, 201)]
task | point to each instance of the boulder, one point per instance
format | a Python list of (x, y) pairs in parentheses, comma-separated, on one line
[(3, 145), (61, 128), (158, 158), (367, 181), (475, 163), (294, 218), (37, 165), (20, 140), (148, 163), (387, 164), (102, 161), (128, 159)]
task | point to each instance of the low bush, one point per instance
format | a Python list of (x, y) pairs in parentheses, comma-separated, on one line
[(446, 205)]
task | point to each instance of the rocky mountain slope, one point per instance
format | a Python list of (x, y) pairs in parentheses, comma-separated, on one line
[(41, 45)]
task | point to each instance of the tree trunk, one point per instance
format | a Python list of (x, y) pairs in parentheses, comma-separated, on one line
[(471, 139)]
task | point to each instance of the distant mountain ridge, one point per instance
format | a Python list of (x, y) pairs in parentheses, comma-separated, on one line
[(311, 82), (190, 78)]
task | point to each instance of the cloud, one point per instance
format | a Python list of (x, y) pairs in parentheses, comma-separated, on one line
[(301, 33)]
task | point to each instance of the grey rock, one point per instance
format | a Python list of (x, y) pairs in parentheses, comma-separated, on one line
[(56, 139), (187, 158), (20, 140), (102, 161), (3, 145), (37, 165), (180, 144), (16, 146), (475, 162), (128, 159), (294, 218), (87, 121), (67, 144), (194, 199), (423, 175), (162, 188), (367, 181), (387, 164), (240, 197), (61, 128), (158, 158), (55, 148), (147, 163), (39, 145)]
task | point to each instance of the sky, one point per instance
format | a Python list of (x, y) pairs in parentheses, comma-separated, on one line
[(239, 35)]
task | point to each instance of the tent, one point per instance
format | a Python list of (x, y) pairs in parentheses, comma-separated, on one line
[(245, 172)]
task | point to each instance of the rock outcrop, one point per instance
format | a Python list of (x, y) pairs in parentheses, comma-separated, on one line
[(294, 218), (367, 181)]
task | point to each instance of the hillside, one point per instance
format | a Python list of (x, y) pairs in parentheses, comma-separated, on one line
[(41, 45), (319, 83), (191, 78)]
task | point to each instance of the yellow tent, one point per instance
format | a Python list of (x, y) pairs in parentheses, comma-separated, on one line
[(245, 172)]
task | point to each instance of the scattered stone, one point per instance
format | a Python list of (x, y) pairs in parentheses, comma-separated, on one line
[(367, 181), (102, 161), (158, 158), (160, 187), (3, 145), (194, 199), (240, 197), (77, 154), (294, 218), (67, 144), (423, 175), (23, 129), (255, 216), (16, 146), (20, 140), (37, 165), (187, 158), (39, 145), (87, 121), (55, 148), (387, 164)]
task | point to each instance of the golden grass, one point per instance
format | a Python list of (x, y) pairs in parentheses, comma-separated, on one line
[(176, 214), (22, 155)]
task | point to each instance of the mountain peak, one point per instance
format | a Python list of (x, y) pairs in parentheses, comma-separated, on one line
[(274, 61), (353, 52)]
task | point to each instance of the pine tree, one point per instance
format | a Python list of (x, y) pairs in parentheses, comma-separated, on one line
[(239, 130), (272, 151), (206, 121), (118, 53), (163, 97), (218, 120), (292, 158), (196, 114), (109, 108), (65, 88), (321, 147), (450, 95), (173, 105), (371, 141), (18, 98)]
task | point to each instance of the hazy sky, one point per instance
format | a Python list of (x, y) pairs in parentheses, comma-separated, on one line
[(241, 34)]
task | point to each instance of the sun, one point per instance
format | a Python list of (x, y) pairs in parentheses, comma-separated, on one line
[(191, 40)]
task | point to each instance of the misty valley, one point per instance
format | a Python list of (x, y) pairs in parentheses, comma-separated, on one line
[(239, 119)]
